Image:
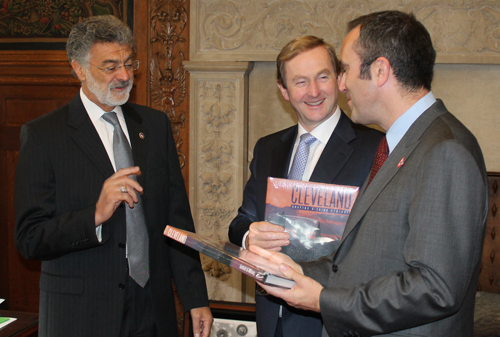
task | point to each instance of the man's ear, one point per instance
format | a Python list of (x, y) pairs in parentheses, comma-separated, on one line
[(284, 91), (381, 70), (79, 70)]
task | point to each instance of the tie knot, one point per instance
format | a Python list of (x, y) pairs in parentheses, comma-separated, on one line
[(307, 138), (110, 117)]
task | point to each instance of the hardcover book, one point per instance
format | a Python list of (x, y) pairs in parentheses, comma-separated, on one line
[(313, 214), (229, 254)]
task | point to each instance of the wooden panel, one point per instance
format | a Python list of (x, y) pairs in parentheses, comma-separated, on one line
[(489, 277), (35, 82), (31, 85), (19, 111)]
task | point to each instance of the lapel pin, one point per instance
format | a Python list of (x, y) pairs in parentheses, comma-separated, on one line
[(401, 162), (141, 135)]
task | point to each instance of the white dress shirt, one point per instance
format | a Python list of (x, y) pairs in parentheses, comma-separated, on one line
[(322, 133), (105, 131)]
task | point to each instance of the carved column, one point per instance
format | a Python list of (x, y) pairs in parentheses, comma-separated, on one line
[(218, 162)]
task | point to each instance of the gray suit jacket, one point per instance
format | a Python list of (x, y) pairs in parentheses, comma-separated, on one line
[(61, 169), (409, 259)]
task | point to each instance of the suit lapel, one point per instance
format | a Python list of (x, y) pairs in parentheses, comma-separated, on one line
[(138, 138), (390, 168), (282, 153), (336, 152), (85, 135)]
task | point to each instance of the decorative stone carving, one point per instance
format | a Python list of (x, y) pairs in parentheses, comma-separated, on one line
[(167, 74), (218, 167), (465, 31)]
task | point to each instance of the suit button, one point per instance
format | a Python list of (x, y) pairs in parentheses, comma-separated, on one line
[(121, 286), (121, 245), (335, 268)]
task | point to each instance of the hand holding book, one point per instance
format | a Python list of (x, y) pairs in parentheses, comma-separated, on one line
[(304, 294), (240, 259), (273, 259), (267, 235)]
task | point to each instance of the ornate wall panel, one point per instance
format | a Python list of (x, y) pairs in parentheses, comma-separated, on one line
[(218, 161), (466, 31), (168, 48), (489, 277)]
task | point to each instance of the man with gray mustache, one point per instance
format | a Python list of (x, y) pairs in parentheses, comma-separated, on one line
[(97, 181)]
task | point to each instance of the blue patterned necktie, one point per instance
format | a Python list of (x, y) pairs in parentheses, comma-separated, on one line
[(300, 159), (137, 234)]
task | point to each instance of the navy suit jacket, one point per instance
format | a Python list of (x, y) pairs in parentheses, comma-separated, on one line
[(346, 159), (60, 173)]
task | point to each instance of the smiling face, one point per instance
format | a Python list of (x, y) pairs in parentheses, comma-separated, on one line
[(107, 91), (311, 87)]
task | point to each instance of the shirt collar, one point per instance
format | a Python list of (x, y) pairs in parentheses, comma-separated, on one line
[(94, 111), (406, 120)]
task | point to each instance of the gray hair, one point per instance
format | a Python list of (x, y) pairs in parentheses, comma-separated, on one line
[(96, 29)]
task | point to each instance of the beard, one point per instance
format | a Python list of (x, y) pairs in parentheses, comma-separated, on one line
[(105, 95)]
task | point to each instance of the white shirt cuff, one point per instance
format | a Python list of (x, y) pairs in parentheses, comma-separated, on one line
[(98, 232)]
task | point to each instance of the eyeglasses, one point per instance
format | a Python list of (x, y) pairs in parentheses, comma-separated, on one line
[(134, 65)]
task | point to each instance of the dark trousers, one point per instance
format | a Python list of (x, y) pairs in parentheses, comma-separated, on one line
[(138, 319)]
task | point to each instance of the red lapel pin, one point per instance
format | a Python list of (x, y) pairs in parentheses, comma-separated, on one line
[(401, 162)]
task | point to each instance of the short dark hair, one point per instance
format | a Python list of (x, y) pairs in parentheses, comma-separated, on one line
[(300, 45), (96, 29), (400, 38)]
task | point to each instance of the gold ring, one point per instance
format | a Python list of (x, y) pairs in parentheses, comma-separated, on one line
[(123, 189)]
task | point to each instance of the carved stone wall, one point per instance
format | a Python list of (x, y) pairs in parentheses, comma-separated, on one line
[(463, 31), (218, 161)]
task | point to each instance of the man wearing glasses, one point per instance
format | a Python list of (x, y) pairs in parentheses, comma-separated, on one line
[(97, 181)]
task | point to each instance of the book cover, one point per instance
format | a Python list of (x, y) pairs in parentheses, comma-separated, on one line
[(229, 254), (314, 214)]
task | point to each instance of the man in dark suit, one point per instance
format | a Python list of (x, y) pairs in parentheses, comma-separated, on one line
[(342, 153), (73, 211), (408, 262)]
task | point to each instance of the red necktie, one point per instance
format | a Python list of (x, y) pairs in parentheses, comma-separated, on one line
[(380, 157)]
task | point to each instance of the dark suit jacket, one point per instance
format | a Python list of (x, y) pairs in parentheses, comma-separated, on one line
[(408, 262), (346, 159), (61, 169)]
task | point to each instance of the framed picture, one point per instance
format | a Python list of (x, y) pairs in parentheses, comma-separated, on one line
[(38, 25)]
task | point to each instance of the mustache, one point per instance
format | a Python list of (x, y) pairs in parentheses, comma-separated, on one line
[(120, 84)]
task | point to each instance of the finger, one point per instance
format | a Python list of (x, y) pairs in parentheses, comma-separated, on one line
[(267, 236), (204, 331), (196, 326), (133, 170), (288, 271), (274, 245), (132, 184), (264, 226), (260, 251), (295, 268)]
